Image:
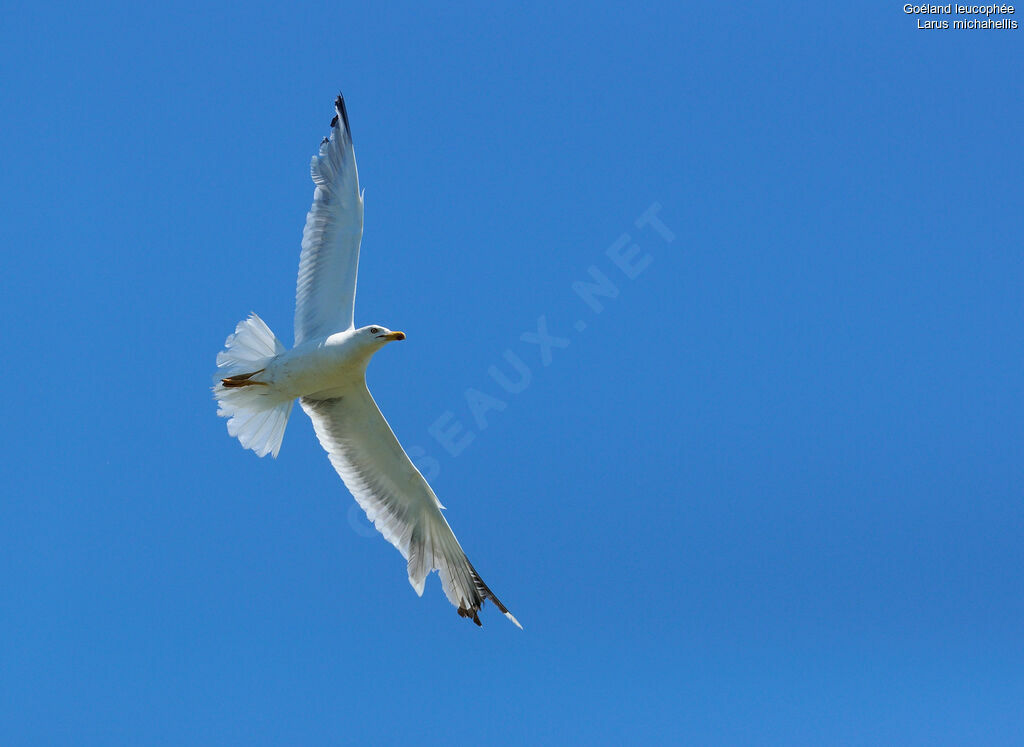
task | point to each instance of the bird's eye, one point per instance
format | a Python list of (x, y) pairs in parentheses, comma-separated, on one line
[(374, 330)]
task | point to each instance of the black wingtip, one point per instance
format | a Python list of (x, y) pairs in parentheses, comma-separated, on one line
[(339, 107)]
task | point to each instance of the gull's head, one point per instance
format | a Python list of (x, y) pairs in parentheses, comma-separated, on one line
[(378, 335)]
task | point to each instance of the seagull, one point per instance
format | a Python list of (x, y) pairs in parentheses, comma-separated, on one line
[(258, 381)]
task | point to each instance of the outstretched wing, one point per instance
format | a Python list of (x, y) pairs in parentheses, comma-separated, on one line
[(326, 290), (396, 498)]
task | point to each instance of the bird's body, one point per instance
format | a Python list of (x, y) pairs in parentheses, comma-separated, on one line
[(317, 368), (258, 380)]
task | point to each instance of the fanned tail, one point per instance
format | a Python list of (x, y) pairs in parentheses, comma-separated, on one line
[(256, 417)]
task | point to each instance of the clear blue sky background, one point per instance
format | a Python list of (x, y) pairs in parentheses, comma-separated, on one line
[(771, 493)]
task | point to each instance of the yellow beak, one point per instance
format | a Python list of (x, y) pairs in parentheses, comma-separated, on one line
[(395, 336)]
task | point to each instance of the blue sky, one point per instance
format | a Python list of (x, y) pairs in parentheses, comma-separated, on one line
[(769, 493)]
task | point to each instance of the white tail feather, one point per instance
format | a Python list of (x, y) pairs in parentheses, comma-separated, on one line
[(256, 417)]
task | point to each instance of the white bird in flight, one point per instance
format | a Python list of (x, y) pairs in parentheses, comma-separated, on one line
[(258, 380)]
